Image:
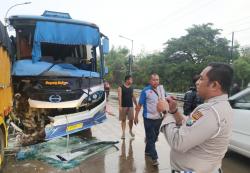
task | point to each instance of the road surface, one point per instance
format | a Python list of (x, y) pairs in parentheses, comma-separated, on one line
[(128, 159)]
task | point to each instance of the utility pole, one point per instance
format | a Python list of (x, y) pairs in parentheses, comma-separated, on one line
[(232, 46), (130, 58)]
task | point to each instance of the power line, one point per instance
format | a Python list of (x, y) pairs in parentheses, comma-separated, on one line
[(245, 24), (176, 14), (166, 17), (243, 30), (236, 21), (196, 9), (237, 31)]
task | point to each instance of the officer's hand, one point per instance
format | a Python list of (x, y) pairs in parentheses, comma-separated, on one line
[(162, 106), (172, 103)]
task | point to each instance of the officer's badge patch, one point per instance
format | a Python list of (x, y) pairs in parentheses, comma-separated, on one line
[(193, 118), (189, 122)]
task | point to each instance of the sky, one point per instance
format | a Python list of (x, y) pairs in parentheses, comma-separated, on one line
[(149, 23)]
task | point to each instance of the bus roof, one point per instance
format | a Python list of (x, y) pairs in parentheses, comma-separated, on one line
[(49, 16)]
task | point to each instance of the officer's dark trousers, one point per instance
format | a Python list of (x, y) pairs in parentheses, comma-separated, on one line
[(152, 131)]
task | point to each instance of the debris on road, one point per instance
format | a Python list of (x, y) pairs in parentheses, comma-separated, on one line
[(57, 154)]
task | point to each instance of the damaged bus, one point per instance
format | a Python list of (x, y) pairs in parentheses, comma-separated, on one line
[(5, 89), (57, 75)]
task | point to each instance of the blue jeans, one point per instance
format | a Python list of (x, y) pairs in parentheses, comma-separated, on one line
[(152, 131)]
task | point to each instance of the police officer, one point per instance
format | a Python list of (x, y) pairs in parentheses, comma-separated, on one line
[(192, 98), (199, 142)]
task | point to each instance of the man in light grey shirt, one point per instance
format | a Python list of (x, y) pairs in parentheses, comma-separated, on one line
[(199, 142)]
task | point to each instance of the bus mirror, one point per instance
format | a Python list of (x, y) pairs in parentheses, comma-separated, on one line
[(105, 45), (106, 70)]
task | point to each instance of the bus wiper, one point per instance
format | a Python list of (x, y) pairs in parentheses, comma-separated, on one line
[(48, 69)]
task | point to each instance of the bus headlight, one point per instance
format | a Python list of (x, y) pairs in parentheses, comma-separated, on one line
[(95, 97)]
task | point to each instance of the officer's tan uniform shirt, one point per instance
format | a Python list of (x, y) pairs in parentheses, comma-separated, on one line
[(201, 145)]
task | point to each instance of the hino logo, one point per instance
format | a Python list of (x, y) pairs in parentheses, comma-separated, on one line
[(55, 98)]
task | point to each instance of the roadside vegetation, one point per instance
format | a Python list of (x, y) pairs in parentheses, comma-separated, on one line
[(181, 59)]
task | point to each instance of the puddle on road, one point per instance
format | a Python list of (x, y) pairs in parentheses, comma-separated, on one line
[(57, 154)]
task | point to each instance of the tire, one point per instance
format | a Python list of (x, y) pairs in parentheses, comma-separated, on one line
[(2, 138)]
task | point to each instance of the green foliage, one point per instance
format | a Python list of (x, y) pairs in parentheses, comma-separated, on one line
[(143, 68), (117, 61), (181, 59), (200, 43), (242, 70), (184, 57)]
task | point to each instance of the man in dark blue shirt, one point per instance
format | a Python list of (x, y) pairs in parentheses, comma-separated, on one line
[(149, 99)]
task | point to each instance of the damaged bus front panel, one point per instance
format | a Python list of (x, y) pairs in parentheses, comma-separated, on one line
[(5, 90), (57, 76)]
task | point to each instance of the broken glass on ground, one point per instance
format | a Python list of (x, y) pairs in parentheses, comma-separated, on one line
[(57, 154)]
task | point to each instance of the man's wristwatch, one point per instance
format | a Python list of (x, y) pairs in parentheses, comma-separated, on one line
[(176, 110)]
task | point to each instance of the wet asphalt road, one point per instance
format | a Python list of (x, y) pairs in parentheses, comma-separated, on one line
[(130, 157)]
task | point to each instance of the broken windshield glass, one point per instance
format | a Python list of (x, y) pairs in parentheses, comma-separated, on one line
[(57, 154)]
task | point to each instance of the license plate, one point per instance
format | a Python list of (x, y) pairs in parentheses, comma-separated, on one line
[(74, 127)]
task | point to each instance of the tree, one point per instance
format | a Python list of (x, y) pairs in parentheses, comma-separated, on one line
[(242, 70), (144, 67), (184, 57), (201, 42), (181, 59), (116, 61)]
